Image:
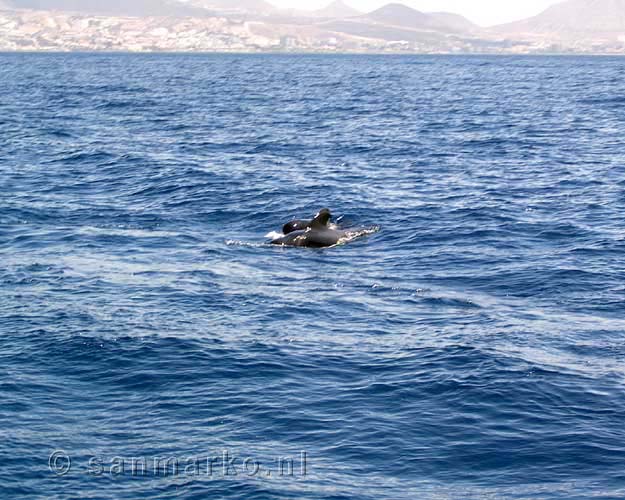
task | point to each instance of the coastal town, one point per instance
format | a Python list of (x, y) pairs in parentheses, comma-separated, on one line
[(379, 32)]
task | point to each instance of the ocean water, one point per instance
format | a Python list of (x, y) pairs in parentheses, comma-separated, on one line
[(471, 348)]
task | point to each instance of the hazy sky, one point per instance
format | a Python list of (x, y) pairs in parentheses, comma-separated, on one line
[(483, 12)]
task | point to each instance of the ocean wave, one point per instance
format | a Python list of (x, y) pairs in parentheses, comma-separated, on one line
[(466, 343)]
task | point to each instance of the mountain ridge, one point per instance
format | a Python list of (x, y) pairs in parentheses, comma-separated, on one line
[(403, 16), (337, 10), (573, 17), (573, 26)]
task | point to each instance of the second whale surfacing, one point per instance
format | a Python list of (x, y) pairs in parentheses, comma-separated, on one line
[(296, 225), (317, 233), (302, 225)]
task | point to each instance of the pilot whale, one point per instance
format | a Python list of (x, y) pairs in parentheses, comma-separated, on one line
[(315, 233), (301, 225), (296, 225)]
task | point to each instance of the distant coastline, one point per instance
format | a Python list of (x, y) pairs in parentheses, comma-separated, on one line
[(393, 29), (306, 53)]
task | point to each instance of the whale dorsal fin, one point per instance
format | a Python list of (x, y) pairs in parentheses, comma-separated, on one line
[(321, 219)]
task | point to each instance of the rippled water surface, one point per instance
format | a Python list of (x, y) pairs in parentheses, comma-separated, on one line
[(472, 348)]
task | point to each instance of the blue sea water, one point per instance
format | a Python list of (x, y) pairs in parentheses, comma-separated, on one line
[(472, 348)]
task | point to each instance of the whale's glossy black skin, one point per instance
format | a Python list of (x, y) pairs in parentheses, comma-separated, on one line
[(296, 225), (312, 238), (316, 233)]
